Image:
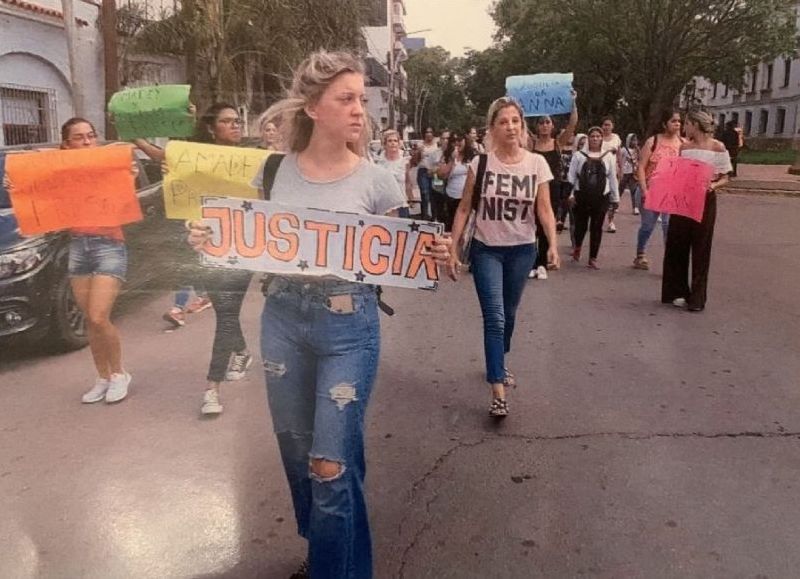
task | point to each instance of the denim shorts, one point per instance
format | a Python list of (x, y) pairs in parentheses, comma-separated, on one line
[(97, 255)]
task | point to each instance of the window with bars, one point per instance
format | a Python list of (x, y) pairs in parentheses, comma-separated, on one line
[(28, 114)]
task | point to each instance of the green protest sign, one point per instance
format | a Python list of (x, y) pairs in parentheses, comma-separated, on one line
[(152, 111)]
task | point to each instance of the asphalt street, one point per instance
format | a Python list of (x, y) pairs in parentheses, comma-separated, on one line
[(644, 441)]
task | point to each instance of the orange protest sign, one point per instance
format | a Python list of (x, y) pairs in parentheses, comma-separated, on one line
[(61, 189)]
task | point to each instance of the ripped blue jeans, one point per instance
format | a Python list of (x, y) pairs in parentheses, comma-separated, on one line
[(320, 344)]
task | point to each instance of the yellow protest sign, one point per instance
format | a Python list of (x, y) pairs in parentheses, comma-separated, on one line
[(197, 170)]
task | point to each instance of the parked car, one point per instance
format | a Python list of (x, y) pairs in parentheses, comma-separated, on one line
[(36, 301)]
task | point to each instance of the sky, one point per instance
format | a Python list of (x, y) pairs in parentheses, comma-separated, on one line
[(455, 24)]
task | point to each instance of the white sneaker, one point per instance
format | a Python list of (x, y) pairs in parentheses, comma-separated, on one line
[(532, 274), (611, 228), (679, 302), (97, 393), (211, 403), (238, 365), (636, 211), (118, 387), (541, 272)]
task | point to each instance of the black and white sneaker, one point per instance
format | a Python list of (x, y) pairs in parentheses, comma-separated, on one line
[(238, 366), (499, 408)]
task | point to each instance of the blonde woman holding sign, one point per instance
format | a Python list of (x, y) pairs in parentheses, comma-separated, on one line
[(687, 238), (514, 186), (320, 338)]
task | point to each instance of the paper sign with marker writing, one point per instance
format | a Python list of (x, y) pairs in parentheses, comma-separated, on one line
[(62, 189), (269, 237), (678, 186), (197, 170), (542, 94), (152, 111)]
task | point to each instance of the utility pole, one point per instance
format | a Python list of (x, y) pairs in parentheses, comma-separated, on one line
[(72, 51), (110, 57), (390, 59)]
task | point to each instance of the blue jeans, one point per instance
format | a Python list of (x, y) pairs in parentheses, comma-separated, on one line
[(649, 220), (97, 255), (500, 274), (320, 344), (425, 184)]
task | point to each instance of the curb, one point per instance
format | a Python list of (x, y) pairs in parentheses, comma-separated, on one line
[(759, 192)]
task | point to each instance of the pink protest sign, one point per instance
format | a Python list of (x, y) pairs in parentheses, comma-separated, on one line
[(678, 186)]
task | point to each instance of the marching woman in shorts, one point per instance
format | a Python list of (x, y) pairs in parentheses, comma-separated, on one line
[(514, 186), (320, 337), (98, 263), (687, 239)]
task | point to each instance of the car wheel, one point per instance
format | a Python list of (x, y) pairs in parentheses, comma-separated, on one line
[(67, 322)]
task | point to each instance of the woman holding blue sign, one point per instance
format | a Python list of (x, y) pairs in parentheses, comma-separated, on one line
[(512, 187), (320, 337)]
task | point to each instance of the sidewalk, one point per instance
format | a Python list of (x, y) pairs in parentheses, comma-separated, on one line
[(765, 180)]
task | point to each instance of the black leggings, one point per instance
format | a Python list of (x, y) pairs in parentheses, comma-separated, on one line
[(227, 289), (586, 211), (542, 243)]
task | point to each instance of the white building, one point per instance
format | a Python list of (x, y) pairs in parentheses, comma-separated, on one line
[(386, 77), (36, 94)]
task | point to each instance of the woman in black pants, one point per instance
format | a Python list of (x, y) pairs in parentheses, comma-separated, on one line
[(686, 238), (593, 175)]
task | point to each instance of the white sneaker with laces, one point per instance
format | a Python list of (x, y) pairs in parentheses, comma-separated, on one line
[(679, 302), (97, 393), (541, 272), (118, 387), (239, 364), (211, 403)]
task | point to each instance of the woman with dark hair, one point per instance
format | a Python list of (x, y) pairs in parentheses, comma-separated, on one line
[(98, 263), (453, 168), (549, 142), (220, 124), (666, 143), (593, 174), (687, 239), (429, 154)]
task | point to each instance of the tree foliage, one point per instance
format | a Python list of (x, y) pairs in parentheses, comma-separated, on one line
[(435, 94), (633, 56), (244, 50)]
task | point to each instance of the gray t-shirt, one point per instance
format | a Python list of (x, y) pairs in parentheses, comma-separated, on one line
[(368, 189)]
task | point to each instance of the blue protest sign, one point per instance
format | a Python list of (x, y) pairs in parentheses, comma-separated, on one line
[(542, 94)]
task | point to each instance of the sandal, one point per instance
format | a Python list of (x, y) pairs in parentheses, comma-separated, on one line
[(499, 408), (641, 262), (509, 380)]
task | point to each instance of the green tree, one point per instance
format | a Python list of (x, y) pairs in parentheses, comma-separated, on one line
[(435, 94), (635, 56)]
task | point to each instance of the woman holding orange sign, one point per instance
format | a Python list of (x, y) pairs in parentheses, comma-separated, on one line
[(98, 263)]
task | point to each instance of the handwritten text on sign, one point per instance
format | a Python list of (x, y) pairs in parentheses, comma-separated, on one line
[(542, 94), (679, 186), (269, 237), (152, 111), (197, 170), (62, 189)]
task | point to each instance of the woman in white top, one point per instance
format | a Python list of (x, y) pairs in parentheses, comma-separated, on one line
[(397, 165), (453, 171), (687, 238), (515, 184), (593, 174), (611, 140)]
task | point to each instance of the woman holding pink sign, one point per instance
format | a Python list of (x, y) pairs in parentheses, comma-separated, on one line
[(687, 239)]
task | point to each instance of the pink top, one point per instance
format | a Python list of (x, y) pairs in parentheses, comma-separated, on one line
[(508, 199), (663, 149)]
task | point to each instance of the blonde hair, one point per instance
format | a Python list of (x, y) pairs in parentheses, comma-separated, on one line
[(314, 75), (263, 121), (389, 133), (503, 103), (703, 120)]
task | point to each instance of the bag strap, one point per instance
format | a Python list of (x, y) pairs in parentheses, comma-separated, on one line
[(270, 169), (477, 190)]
